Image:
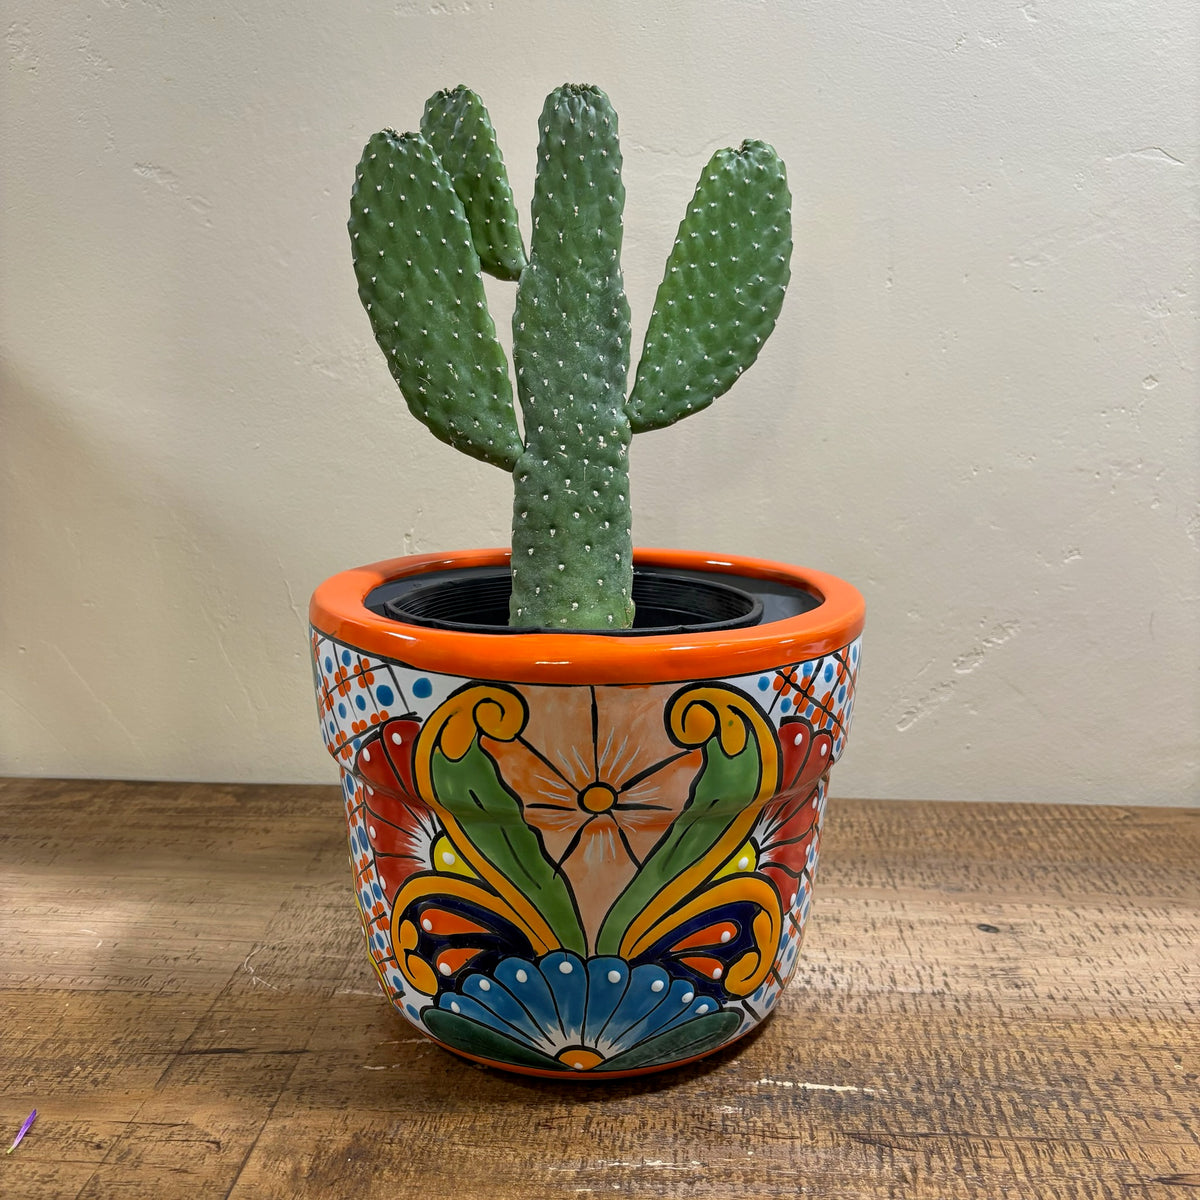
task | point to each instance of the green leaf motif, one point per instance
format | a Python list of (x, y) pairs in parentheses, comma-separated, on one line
[(472, 791), (684, 1041), (470, 1036), (724, 786)]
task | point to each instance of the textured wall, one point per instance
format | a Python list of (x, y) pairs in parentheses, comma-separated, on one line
[(980, 404)]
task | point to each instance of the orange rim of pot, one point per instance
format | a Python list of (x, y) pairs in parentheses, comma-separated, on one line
[(337, 610)]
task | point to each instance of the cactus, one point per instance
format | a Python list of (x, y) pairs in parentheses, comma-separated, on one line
[(432, 210)]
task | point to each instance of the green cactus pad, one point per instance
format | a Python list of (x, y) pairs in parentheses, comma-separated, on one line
[(418, 278), (722, 290), (572, 546), (456, 124)]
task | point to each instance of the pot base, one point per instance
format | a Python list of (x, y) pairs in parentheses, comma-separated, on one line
[(585, 1077)]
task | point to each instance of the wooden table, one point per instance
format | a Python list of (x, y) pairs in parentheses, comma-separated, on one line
[(994, 1001)]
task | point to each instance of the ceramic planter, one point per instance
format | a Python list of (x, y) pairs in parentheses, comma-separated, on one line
[(577, 854)]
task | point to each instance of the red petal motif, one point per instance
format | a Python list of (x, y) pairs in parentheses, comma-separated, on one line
[(385, 762), (806, 755)]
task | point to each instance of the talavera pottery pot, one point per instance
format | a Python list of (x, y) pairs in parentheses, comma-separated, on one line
[(584, 855)]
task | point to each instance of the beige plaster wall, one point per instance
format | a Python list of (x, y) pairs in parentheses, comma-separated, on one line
[(981, 404)]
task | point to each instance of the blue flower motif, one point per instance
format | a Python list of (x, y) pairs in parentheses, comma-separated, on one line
[(567, 1013)]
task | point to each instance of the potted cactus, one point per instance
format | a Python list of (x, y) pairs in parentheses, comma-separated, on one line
[(584, 784)]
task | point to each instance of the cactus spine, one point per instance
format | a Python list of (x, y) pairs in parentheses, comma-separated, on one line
[(431, 210)]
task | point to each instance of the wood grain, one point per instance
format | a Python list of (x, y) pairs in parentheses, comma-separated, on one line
[(994, 1001)]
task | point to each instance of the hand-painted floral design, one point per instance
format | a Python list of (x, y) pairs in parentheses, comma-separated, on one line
[(600, 781), (820, 690), (355, 694), (373, 902), (402, 833), (790, 821), (564, 1013), (583, 879)]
